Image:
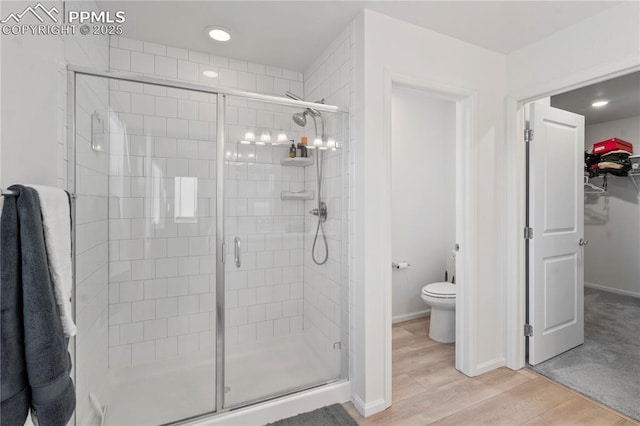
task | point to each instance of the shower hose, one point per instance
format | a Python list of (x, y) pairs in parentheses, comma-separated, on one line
[(321, 217)]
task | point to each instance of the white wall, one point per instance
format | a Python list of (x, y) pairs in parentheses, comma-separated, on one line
[(607, 42), (33, 130), (423, 144), (34, 150), (612, 220), (31, 108), (424, 56)]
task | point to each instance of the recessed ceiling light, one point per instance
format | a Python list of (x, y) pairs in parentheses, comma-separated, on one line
[(598, 104), (210, 73), (219, 33)]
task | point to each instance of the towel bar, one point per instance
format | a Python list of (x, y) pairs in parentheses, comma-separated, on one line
[(10, 193)]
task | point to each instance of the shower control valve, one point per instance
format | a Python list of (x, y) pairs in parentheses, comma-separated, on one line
[(321, 211)]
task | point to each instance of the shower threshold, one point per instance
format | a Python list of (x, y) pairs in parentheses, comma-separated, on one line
[(173, 390)]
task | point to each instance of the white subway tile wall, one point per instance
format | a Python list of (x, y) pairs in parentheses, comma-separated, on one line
[(327, 298), (161, 265), (162, 273), (264, 295), (188, 65)]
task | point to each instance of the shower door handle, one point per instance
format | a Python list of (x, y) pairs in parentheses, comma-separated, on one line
[(236, 252)]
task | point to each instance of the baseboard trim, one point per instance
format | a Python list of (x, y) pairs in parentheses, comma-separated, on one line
[(410, 316), (487, 366), (612, 290), (371, 408)]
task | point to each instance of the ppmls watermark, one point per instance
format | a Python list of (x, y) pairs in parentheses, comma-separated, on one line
[(41, 20)]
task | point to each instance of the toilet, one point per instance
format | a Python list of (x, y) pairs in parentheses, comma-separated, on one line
[(441, 297)]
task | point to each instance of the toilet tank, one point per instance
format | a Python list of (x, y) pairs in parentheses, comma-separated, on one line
[(451, 264)]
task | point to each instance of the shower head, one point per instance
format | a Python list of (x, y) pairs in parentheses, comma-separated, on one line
[(313, 112), (300, 118)]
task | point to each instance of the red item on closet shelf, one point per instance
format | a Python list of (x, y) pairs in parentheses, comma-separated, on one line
[(612, 144)]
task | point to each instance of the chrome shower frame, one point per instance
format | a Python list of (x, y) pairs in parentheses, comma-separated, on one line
[(310, 108)]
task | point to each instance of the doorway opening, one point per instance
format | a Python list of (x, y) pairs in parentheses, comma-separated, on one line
[(423, 236), (583, 240)]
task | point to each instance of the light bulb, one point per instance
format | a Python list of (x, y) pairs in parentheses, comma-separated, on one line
[(250, 136), (219, 33), (265, 137), (282, 136)]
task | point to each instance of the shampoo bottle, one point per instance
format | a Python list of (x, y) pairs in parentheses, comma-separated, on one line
[(292, 150)]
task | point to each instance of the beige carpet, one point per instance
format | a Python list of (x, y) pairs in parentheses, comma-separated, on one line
[(607, 367)]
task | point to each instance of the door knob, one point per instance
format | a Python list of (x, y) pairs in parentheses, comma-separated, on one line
[(582, 242)]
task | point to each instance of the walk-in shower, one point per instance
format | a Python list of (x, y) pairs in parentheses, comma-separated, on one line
[(198, 289), (300, 118)]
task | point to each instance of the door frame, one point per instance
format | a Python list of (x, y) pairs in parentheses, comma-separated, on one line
[(515, 202), (466, 209)]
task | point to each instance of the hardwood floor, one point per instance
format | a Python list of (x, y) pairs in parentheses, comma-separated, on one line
[(427, 389)]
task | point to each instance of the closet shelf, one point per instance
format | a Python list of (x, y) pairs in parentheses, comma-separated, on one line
[(590, 188), (634, 175), (297, 161)]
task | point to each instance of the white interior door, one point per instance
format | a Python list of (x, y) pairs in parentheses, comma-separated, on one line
[(556, 256)]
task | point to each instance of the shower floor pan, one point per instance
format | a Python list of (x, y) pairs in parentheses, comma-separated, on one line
[(168, 391)]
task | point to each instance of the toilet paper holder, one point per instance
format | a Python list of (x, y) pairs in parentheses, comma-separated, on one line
[(400, 265)]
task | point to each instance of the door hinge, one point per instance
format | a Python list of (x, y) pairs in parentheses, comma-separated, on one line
[(528, 135), (528, 330), (528, 233)]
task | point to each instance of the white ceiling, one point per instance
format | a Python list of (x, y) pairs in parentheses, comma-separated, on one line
[(623, 94), (291, 34)]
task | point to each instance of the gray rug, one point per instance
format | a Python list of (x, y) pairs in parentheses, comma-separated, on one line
[(331, 415), (607, 367)]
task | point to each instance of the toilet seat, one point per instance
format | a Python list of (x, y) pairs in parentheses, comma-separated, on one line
[(442, 290)]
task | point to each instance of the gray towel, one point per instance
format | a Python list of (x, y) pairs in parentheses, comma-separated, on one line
[(35, 362)]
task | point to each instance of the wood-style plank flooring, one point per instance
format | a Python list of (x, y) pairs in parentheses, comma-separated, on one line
[(427, 389)]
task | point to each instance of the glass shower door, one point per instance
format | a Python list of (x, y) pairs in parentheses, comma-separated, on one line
[(144, 170), (282, 312), (169, 326)]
